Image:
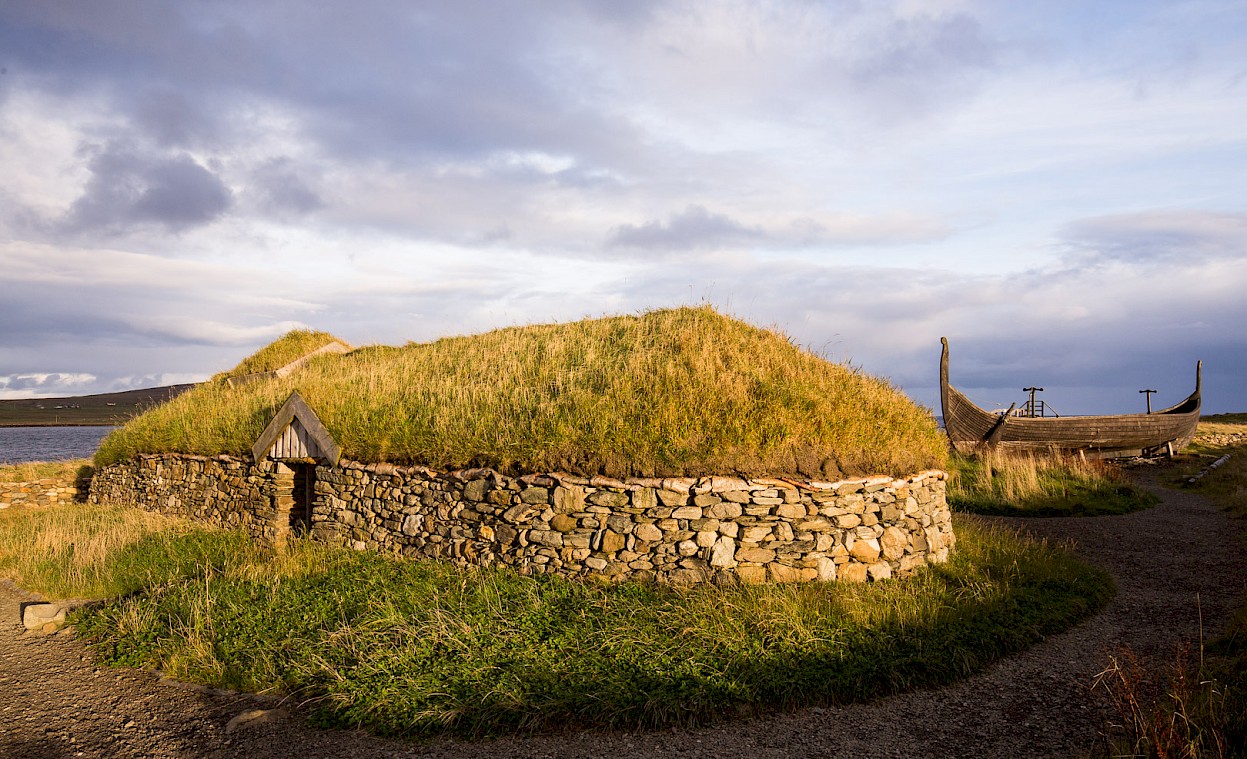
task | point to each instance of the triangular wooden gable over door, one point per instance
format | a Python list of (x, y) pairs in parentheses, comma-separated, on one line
[(295, 433)]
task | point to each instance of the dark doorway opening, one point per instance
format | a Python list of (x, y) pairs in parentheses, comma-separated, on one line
[(304, 496)]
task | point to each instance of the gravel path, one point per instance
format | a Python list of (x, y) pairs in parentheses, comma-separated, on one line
[(54, 701)]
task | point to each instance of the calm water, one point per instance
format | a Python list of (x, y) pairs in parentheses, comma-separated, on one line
[(20, 444)]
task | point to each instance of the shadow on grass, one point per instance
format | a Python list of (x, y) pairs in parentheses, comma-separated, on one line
[(418, 649)]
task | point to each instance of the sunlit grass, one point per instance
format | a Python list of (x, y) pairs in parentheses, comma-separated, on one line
[(424, 648), (83, 551), (1027, 484), (67, 471), (681, 391), (420, 648)]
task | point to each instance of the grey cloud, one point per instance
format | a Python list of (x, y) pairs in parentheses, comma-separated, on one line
[(1154, 236), (128, 188), (82, 314), (372, 80), (75, 45), (45, 383), (694, 228), (171, 120), (904, 68), (125, 333), (281, 188)]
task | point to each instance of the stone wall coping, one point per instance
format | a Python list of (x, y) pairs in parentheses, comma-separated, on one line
[(682, 485)]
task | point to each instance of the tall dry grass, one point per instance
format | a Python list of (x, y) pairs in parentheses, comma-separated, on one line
[(38, 470), (682, 391), (67, 550), (1172, 712), (1029, 484)]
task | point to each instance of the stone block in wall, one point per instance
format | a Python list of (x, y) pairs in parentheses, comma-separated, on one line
[(672, 498), (568, 499), (644, 498), (609, 499)]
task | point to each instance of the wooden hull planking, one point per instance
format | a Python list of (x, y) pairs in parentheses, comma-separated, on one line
[(970, 427)]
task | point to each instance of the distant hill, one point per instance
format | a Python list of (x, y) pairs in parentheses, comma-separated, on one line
[(97, 410)]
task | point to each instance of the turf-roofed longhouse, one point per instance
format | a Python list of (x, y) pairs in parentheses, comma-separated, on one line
[(683, 426)]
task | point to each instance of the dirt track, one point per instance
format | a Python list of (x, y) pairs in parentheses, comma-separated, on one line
[(54, 701)]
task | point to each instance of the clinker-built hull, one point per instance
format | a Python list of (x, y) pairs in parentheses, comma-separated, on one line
[(971, 428)]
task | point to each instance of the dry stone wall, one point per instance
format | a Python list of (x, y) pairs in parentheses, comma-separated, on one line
[(47, 491), (223, 491), (673, 530), (679, 531)]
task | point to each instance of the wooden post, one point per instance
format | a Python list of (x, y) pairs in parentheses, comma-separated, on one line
[(1031, 404), (1148, 394), (283, 500)]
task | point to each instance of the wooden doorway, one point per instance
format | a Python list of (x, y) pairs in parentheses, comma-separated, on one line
[(295, 497), (304, 497)]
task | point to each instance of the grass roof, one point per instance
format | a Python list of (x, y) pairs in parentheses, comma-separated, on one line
[(292, 346), (684, 391)]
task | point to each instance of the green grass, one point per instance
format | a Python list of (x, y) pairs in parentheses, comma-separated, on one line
[(82, 551), (417, 649), (1027, 485), (677, 392)]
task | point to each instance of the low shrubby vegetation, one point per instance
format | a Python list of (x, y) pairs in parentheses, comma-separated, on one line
[(676, 392), (420, 648), (1178, 711), (1220, 435), (1037, 485)]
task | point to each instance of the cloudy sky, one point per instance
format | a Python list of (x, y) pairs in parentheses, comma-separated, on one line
[(1058, 187)]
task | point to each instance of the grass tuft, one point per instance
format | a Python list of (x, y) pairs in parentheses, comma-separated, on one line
[(676, 392), (1181, 711), (1000, 483)]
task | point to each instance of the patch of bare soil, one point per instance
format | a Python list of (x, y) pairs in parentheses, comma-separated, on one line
[(1173, 564)]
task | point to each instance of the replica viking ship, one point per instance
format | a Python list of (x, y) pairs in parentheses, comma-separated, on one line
[(970, 428)]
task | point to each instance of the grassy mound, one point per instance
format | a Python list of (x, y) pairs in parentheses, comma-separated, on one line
[(676, 392), (292, 346)]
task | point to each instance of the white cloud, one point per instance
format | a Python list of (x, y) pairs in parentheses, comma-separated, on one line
[(44, 384)]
